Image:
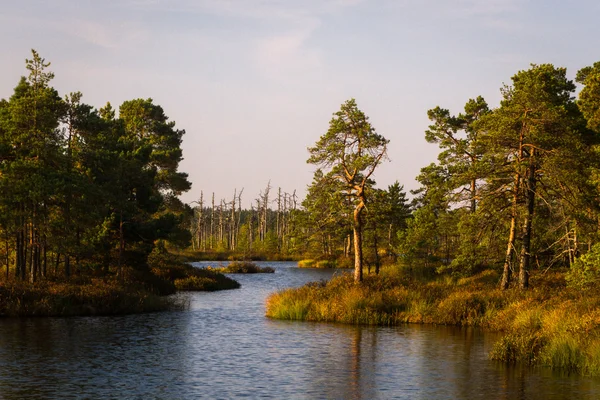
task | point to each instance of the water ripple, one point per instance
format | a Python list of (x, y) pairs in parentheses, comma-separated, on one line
[(223, 347)]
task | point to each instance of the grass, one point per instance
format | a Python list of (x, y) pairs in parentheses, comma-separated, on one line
[(242, 267), (184, 277), (97, 297), (326, 263), (550, 324), (135, 291)]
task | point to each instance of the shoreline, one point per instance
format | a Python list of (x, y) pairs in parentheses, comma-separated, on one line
[(549, 325)]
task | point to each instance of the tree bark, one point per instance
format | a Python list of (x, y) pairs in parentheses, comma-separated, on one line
[(7, 254), (358, 255), (121, 247), (527, 225), (473, 196), (376, 249), (507, 272)]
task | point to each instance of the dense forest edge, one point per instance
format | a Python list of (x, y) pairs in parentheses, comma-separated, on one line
[(502, 234), (89, 205)]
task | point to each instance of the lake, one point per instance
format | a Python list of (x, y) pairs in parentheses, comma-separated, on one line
[(223, 347)]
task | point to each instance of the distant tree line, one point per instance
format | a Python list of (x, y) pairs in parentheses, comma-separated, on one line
[(267, 227), (515, 187)]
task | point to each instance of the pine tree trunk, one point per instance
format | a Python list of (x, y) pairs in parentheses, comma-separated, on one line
[(68, 265), (45, 261), (56, 264), (507, 272), (376, 249), (24, 252), (348, 245), (358, 256), (473, 196), (527, 225), (32, 254), (7, 254), (121, 247), (232, 223)]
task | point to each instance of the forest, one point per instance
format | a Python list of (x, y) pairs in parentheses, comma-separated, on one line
[(88, 200), (504, 226), (514, 188), (501, 235)]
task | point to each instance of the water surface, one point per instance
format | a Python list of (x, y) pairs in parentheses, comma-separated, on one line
[(223, 347)]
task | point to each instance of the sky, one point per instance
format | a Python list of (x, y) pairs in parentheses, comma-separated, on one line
[(254, 83)]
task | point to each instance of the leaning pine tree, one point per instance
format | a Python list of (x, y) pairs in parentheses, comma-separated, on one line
[(350, 151)]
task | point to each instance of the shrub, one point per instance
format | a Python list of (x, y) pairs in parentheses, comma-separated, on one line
[(244, 267), (306, 263), (585, 271)]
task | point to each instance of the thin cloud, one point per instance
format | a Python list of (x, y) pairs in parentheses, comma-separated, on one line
[(105, 35), (286, 55), (256, 9)]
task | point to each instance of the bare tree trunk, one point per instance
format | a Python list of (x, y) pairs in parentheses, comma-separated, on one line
[(250, 228), (239, 216), (278, 221), (199, 224), (221, 222), (265, 207), (232, 222), (212, 223), (570, 251)]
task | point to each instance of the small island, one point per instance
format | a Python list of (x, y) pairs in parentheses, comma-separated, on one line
[(242, 267)]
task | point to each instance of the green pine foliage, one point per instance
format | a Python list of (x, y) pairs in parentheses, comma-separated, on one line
[(86, 192)]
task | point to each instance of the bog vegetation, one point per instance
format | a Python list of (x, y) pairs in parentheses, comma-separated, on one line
[(502, 234)]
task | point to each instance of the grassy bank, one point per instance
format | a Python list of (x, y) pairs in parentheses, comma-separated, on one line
[(96, 297), (92, 293), (549, 325), (173, 269)]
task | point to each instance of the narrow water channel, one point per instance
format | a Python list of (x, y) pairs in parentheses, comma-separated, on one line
[(223, 347)]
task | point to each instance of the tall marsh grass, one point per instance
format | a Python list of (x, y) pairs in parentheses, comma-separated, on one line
[(551, 324), (64, 299)]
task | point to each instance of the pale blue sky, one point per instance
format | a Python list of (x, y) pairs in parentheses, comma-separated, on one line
[(254, 82)]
